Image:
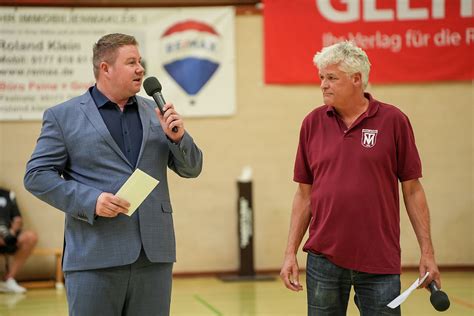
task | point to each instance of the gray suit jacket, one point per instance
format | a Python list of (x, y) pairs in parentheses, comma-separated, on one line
[(76, 159)]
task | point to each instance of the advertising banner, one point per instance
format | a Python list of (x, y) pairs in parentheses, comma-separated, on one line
[(406, 40), (46, 55)]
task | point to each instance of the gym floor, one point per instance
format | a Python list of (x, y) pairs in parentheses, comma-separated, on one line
[(209, 296)]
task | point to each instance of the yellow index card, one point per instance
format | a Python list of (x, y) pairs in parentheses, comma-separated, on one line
[(136, 189)]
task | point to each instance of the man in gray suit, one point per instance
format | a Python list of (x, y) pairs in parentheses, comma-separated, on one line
[(88, 147)]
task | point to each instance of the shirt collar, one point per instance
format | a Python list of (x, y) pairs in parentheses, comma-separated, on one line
[(373, 105), (100, 99), (371, 110)]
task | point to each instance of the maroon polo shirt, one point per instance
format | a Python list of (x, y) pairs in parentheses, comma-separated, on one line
[(354, 175)]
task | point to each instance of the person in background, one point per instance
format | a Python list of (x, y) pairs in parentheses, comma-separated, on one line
[(14, 240), (352, 153), (89, 146)]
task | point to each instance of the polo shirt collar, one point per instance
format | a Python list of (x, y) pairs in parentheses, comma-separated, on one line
[(373, 105), (371, 110)]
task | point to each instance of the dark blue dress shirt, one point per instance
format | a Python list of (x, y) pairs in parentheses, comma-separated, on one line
[(125, 127)]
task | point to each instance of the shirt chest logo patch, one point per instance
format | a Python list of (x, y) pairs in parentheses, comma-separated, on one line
[(369, 137)]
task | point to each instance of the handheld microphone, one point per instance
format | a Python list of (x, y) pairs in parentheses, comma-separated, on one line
[(438, 298), (153, 89)]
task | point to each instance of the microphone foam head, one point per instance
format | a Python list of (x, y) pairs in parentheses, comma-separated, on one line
[(151, 85), (440, 301)]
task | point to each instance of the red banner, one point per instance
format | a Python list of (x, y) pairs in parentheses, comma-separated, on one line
[(406, 40)]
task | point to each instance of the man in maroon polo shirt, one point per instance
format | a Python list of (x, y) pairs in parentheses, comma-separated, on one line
[(352, 152)]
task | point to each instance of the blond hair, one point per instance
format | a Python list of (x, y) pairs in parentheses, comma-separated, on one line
[(106, 49)]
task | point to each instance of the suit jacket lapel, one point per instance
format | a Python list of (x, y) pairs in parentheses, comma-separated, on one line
[(142, 109), (90, 110)]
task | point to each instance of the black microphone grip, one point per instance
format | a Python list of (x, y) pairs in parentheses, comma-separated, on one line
[(438, 298), (158, 97), (160, 102), (433, 287)]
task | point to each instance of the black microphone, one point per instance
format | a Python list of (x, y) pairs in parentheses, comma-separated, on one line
[(153, 89), (438, 298)]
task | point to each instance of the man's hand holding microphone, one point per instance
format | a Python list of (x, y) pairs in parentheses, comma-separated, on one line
[(170, 120)]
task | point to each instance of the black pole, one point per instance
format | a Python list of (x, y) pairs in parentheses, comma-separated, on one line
[(245, 229), (245, 223)]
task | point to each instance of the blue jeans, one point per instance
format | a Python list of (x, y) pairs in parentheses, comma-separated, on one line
[(329, 285)]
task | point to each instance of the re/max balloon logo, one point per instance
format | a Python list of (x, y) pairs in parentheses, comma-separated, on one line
[(191, 54)]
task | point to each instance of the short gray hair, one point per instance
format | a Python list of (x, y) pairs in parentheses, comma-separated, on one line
[(351, 59), (106, 49)]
